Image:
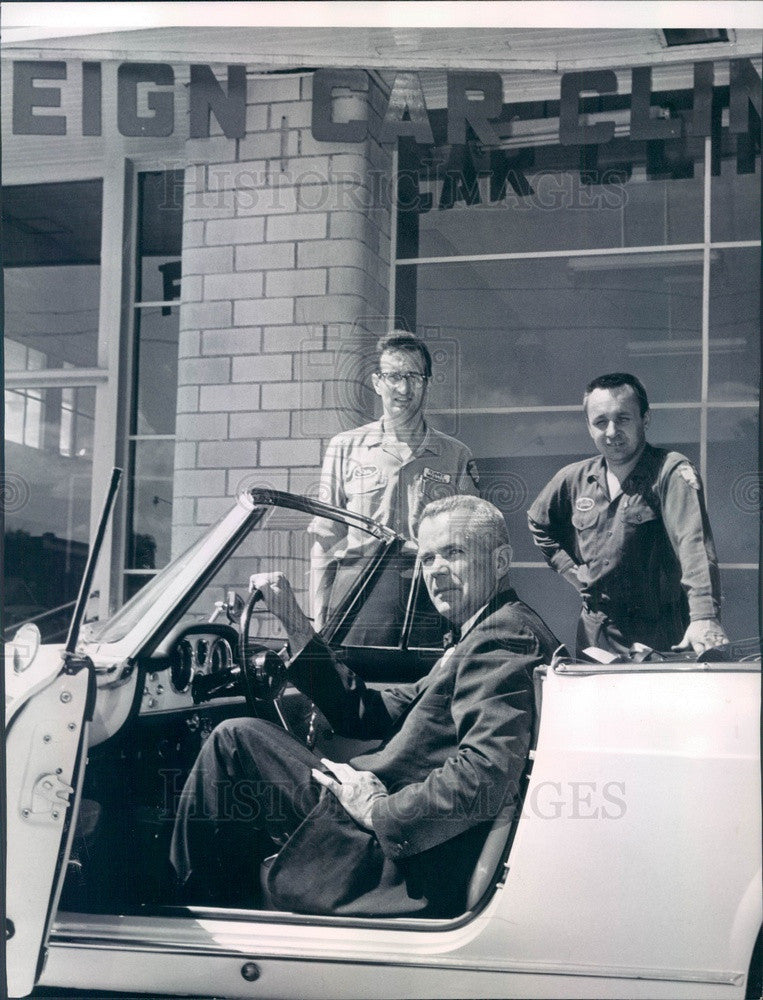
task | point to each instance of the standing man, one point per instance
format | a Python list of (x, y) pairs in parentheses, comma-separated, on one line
[(387, 470), (629, 530), (397, 830)]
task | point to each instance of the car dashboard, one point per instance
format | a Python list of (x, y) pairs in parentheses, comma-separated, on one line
[(200, 651)]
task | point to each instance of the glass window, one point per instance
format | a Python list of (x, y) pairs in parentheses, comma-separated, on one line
[(735, 324), (151, 496), (560, 212), (733, 484), (739, 608), (542, 197), (735, 203), (48, 456), (534, 332), (527, 334), (155, 376), (156, 350), (51, 257)]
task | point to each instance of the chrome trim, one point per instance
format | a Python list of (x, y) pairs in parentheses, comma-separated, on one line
[(424, 963), (584, 669)]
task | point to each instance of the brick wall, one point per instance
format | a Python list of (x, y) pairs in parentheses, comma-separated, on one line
[(286, 260)]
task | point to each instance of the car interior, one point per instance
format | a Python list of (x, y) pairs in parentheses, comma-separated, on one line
[(193, 676)]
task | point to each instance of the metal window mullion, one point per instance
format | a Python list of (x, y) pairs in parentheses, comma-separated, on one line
[(56, 378), (555, 254), (740, 404), (392, 312), (705, 334), (127, 368), (667, 248), (151, 437), (163, 304), (109, 330)]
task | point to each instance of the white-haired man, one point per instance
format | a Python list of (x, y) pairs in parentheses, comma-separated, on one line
[(398, 829)]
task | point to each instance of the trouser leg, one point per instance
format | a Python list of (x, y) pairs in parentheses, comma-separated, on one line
[(596, 629), (250, 787)]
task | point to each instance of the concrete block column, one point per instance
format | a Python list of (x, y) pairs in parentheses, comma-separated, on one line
[(286, 264)]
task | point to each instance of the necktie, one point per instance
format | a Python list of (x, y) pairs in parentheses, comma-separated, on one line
[(451, 637)]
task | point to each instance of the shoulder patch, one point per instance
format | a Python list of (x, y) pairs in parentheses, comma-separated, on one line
[(471, 468), (584, 503), (688, 472)]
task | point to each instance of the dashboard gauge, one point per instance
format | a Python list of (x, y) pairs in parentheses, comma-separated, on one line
[(181, 669), (220, 656), (202, 649)]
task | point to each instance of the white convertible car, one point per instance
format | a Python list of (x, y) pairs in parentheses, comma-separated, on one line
[(633, 868)]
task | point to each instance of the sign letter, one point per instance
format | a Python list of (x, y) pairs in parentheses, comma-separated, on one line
[(642, 125), (129, 122), (207, 96), (407, 95), (462, 110), (571, 132), (26, 97), (91, 98), (701, 116), (744, 88), (323, 127)]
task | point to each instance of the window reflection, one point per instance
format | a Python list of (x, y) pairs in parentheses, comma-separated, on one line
[(156, 349), (530, 332), (150, 488), (535, 332), (735, 324), (51, 257), (48, 455), (150, 504)]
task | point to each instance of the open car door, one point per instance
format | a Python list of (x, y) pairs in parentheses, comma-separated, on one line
[(50, 697)]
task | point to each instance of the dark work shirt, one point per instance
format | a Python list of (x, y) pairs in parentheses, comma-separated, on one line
[(640, 556)]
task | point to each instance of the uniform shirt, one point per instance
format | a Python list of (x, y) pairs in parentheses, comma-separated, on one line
[(363, 472), (640, 553)]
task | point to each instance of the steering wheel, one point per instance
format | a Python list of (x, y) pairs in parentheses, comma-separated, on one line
[(262, 669)]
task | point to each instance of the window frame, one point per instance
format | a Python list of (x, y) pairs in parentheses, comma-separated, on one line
[(134, 307)]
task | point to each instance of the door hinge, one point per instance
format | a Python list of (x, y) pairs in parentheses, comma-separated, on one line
[(49, 799)]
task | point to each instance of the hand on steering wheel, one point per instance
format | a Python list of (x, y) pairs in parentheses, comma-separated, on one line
[(275, 591)]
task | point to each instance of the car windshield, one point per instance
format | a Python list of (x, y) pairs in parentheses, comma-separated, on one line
[(305, 547)]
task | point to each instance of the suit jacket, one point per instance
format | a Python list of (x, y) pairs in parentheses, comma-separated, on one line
[(453, 748)]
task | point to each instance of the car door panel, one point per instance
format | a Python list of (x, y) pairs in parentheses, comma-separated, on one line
[(50, 733)]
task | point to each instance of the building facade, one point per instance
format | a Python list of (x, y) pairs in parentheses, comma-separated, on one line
[(201, 309)]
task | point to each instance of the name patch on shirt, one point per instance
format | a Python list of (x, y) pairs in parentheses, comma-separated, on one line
[(437, 477), (362, 471), (584, 503)]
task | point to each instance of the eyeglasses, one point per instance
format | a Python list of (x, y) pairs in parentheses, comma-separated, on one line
[(395, 379)]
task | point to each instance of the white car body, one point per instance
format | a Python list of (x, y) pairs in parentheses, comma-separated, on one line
[(634, 869)]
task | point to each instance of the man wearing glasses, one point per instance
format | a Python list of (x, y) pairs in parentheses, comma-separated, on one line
[(388, 470)]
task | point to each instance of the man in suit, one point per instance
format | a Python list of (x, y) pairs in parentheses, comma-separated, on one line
[(397, 831)]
